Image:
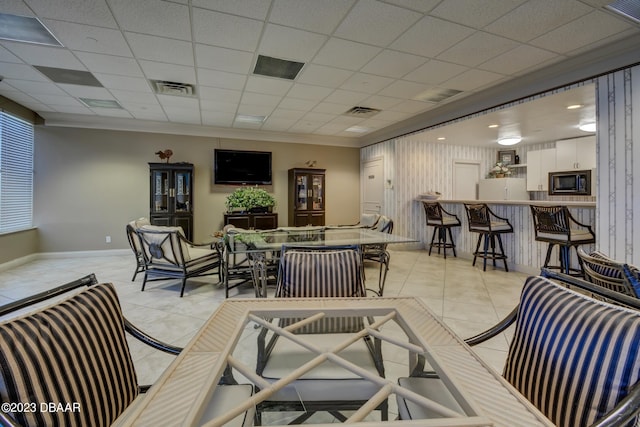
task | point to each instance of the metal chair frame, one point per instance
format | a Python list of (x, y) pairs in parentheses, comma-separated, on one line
[(435, 215), (481, 220)]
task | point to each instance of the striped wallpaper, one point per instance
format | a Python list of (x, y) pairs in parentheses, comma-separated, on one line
[(618, 213)]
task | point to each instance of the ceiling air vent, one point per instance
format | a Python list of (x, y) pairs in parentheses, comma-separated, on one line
[(436, 94), (163, 87), (362, 112)]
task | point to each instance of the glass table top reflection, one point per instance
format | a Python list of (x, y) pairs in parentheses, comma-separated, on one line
[(273, 240)]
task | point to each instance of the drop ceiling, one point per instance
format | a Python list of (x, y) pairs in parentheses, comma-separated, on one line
[(393, 56)]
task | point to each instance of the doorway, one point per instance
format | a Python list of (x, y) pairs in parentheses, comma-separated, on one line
[(466, 178), (373, 185)]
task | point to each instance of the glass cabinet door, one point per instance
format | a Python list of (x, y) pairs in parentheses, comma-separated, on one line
[(160, 191), (317, 192), (183, 192), (302, 194)]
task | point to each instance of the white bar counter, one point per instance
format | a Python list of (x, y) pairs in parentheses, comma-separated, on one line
[(524, 253)]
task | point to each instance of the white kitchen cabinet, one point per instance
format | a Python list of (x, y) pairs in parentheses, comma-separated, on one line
[(539, 164), (503, 189), (576, 153)]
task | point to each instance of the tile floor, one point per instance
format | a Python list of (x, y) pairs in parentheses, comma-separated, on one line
[(466, 298)]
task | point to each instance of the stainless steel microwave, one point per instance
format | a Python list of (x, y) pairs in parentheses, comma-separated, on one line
[(570, 183)]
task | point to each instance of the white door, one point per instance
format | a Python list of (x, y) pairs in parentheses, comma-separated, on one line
[(372, 186), (466, 177)]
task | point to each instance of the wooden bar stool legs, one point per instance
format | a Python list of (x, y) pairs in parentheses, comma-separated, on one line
[(442, 242), (489, 226), (490, 242)]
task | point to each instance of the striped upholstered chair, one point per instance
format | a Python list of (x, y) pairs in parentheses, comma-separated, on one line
[(604, 271), (327, 272), (74, 355), (577, 359)]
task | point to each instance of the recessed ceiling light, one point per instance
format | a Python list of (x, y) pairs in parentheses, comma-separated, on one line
[(509, 140), (493, 126), (25, 29), (245, 118), (100, 103), (358, 129), (441, 138), (587, 127), (574, 106)]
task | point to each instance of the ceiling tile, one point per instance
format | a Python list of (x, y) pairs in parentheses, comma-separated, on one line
[(183, 115), (270, 86), (58, 100), (134, 84), (419, 5), (188, 103), (254, 110), (346, 97), (297, 104), (435, 72), (35, 88), (217, 118), (217, 94), (98, 63), (161, 49), (168, 72), (158, 116), (310, 92), (290, 43), (321, 75), (535, 18), (86, 91), (390, 116), (318, 117), (127, 96), (477, 49), (331, 108), (376, 23), (165, 19), (474, 13), (20, 71), (305, 126), (260, 99), (522, 58), (345, 54), (380, 102), (391, 63), (220, 29), (44, 55), (90, 12), (221, 79), (90, 39), (440, 34), (73, 110), (256, 9), (320, 16), (572, 35), (404, 89), (281, 113), (217, 105), (472, 80), (218, 58), (6, 56), (368, 83), (281, 125)]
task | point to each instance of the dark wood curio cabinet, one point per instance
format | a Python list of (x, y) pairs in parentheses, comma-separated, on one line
[(171, 195), (306, 197)]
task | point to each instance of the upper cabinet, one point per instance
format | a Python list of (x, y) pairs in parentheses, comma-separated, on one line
[(576, 153), (171, 195), (539, 164)]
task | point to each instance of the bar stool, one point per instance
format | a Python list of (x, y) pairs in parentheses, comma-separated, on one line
[(556, 226), (490, 226), (441, 221)]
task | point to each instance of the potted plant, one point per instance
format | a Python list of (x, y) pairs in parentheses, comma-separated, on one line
[(500, 171), (250, 199)]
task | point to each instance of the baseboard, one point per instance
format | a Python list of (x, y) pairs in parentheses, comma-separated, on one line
[(61, 255)]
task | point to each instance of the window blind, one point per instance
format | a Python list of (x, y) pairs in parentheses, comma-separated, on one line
[(16, 174)]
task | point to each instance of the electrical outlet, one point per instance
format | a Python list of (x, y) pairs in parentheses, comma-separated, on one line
[(107, 239)]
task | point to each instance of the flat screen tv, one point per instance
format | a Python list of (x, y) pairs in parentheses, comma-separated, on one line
[(242, 167)]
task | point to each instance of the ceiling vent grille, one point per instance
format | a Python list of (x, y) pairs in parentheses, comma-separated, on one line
[(436, 95), (362, 112), (628, 8), (163, 87)]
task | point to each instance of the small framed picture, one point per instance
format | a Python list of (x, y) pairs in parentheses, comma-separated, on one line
[(507, 157)]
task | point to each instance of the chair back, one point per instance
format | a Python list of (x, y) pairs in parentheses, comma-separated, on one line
[(369, 220), (608, 273), (73, 352), (550, 221), (132, 237), (478, 216), (163, 245), (322, 272), (572, 356), (384, 225), (433, 212)]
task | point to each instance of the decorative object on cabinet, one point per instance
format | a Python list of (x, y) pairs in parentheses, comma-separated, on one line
[(166, 154), (499, 170), (507, 157), (306, 197), (171, 202), (250, 199)]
